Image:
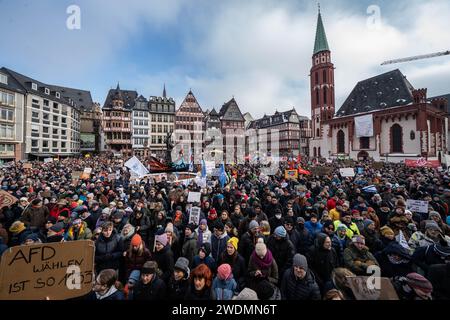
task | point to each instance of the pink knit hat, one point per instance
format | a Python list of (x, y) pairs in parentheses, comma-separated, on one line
[(162, 238), (224, 271)]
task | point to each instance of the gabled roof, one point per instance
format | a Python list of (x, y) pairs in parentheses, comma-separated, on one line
[(444, 96), (321, 42), (82, 98), (128, 97), (26, 84), (275, 119), (384, 91), (230, 111), (190, 102)]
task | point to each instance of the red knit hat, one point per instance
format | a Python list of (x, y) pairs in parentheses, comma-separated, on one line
[(136, 240)]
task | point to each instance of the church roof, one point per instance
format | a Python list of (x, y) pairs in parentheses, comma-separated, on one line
[(384, 91), (321, 42)]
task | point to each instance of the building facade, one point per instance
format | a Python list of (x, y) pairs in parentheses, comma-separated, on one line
[(12, 108), (51, 123), (141, 127), (116, 123), (305, 134), (162, 119), (232, 125), (384, 118)]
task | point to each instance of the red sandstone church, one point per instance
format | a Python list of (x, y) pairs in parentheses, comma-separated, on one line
[(384, 117)]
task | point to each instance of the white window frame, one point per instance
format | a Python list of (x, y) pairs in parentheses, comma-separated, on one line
[(58, 95), (34, 86), (3, 78), (47, 91)]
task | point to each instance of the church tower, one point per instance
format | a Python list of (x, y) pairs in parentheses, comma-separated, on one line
[(322, 82)]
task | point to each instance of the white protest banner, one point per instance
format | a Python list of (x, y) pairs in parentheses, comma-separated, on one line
[(46, 160), (137, 167), (86, 173), (347, 172), (194, 216), (193, 197), (201, 182), (417, 206), (364, 126), (210, 166), (54, 271)]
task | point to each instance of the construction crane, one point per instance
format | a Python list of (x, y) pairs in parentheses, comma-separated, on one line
[(425, 56)]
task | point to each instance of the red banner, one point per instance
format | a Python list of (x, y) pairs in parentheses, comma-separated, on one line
[(303, 171), (422, 162)]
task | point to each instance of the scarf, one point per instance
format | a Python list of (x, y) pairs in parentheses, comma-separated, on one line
[(264, 263)]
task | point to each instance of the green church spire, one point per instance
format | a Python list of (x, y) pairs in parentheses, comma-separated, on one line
[(321, 43)]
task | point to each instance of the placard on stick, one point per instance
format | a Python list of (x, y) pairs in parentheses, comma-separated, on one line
[(56, 271), (194, 216)]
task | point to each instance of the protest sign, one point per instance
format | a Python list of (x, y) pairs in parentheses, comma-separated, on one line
[(194, 216), (417, 206), (76, 174), (7, 199), (86, 173), (321, 171), (194, 197), (290, 174), (210, 166), (27, 166), (365, 288), (47, 160), (347, 172), (54, 271)]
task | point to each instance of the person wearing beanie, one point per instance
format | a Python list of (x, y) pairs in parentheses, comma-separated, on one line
[(78, 231), (265, 290), (372, 237), (306, 238), (248, 240), (346, 219), (224, 286), (232, 257), (189, 249), (262, 266), (108, 248), (394, 260), (19, 232), (219, 240), (204, 257), (413, 287), (357, 256), (136, 256), (150, 287), (141, 224), (179, 281), (246, 294), (298, 283), (313, 225), (282, 249), (104, 217), (32, 238), (55, 232), (202, 233), (436, 217), (35, 216), (163, 255), (119, 220)]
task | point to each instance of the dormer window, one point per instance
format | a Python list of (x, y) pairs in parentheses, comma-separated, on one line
[(34, 86), (3, 78), (47, 91), (58, 95)]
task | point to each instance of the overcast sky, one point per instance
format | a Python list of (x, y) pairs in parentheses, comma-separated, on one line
[(258, 51)]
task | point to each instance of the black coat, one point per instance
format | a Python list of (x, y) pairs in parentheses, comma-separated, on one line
[(164, 258), (322, 261), (425, 257), (108, 252), (283, 252), (192, 294), (176, 290), (246, 246), (238, 268), (439, 276), (155, 290), (389, 269), (295, 289)]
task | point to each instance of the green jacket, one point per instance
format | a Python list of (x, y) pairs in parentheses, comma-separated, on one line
[(358, 260)]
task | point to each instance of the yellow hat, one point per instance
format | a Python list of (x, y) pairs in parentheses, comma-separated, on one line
[(17, 227), (234, 241), (386, 231)]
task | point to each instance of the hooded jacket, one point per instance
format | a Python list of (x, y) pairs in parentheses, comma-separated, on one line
[(425, 257), (218, 245), (208, 260), (283, 251), (84, 233), (322, 261)]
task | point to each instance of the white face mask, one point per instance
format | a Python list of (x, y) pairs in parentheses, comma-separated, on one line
[(278, 216)]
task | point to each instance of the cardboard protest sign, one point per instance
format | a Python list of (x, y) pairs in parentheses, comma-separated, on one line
[(290, 174), (347, 172), (321, 171), (56, 271), (7, 199), (76, 175), (378, 165), (86, 173), (194, 216), (417, 206), (27, 166), (365, 288)]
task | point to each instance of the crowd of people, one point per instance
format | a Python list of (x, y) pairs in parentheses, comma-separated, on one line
[(256, 239)]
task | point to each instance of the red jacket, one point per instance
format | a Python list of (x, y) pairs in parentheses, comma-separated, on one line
[(56, 211)]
